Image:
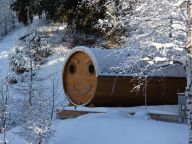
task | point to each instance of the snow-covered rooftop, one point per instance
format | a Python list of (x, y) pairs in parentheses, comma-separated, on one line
[(130, 62)]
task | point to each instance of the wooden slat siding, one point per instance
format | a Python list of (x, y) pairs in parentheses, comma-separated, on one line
[(160, 91), (83, 80), (122, 95), (164, 90)]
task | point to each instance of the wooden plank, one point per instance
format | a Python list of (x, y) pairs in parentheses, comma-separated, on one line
[(164, 117), (66, 114)]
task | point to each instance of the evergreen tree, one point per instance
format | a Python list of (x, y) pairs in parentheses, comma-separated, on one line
[(23, 9)]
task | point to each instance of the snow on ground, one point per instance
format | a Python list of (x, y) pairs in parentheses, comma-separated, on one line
[(9, 43), (114, 127), (165, 109), (118, 127), (12, 137)]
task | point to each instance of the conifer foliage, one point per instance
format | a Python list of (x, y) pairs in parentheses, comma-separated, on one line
[(26, 9), (99, 17)]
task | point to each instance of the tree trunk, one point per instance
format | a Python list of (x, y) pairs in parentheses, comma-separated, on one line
[(5, 113), (189, 70), (189, 27), (189, 96)]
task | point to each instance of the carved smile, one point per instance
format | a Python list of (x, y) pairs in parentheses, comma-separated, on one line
[(80, 92)]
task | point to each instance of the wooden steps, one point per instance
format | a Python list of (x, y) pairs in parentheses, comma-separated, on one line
[(66, 114)]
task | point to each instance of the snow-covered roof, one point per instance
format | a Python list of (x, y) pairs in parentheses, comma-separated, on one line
[(128, 62)]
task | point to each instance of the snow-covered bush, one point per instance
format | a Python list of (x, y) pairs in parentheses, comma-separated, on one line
[(34, 50)]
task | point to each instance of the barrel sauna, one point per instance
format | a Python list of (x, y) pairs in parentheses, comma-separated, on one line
[(89, 79)]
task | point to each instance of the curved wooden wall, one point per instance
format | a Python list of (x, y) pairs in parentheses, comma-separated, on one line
[(79, 86)]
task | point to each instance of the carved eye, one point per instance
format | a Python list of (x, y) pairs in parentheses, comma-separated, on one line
[(72, 69), (91, 69)]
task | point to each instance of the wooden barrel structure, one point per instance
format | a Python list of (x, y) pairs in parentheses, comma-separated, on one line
[(89, 79)]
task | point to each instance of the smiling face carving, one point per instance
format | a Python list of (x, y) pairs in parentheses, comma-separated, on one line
[(79, 78)]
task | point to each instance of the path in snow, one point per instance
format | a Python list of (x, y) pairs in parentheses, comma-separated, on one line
[(8, 44)]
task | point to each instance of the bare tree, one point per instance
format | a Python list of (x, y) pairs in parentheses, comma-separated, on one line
[(163, 34), (4, 113), (189, 69), (53, 93), (37, 127)]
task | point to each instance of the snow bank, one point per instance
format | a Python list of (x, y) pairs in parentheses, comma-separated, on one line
[(114, 127), (118, 128), (163, 109)]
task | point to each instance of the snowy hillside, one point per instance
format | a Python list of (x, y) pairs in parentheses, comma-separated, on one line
[(112, 127), (53, 63)]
